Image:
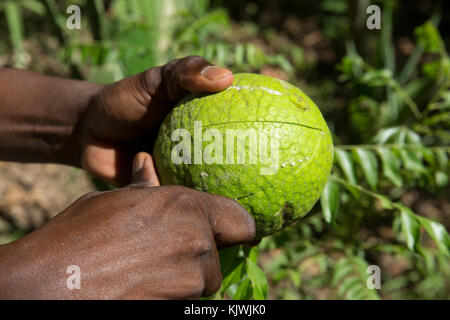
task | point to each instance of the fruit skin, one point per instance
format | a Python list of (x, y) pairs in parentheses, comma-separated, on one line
[(260, 102)]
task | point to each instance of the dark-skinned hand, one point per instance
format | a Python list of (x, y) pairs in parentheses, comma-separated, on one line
[(143, 241), (123, 117)]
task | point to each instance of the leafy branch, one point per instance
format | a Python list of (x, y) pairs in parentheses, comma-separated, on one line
[(410, 221)]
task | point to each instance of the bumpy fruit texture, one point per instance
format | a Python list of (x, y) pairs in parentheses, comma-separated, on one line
[(260, 102)]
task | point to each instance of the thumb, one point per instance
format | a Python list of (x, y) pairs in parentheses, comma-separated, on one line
[(230, 223), (190, 74), (144, 172)]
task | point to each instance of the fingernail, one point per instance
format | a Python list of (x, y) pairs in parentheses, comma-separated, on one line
[(215, 73)]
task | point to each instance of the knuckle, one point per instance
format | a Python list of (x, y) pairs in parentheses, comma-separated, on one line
[(228, 204), (181, 73), (190, 65), (232, 204), (201, 246), (194, 59), (195, 244), (180, 196), (185, 199), (151, 78)]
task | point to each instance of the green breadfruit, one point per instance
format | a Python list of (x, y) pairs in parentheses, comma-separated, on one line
[(262, 142)]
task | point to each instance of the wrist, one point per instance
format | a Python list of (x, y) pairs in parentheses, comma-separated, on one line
[(70, 152), (24, 274), (40, 116), (11, 277)]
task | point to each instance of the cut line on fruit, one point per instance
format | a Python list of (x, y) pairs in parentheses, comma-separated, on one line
[(261, 121), (265, 106)]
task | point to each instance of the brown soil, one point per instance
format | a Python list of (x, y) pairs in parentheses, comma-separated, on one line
[(30, 194)]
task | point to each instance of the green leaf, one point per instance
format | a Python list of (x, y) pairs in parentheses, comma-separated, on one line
[(239, 54), (244, 290), (350, 278), (434, 69), (227, 257), (356, 293), (391, 166), (410, 65), (387, 47), (15, 27), (330, 201), (34, 6), (442, 158), (401, 136), (232, 266), (369, 166), (441, 179), (385, 202), (385, 134), (282, 62), (221, 54), (438, 233), (279, 275), (429, 38), (377, 78), (412, 162), (251, 253), (212, 21), (255, 56), (410, 229), (428, 155), (342, 270), (233, 274), (346, 163), (295, 277), (347, 284), (107, 73), (258, 280)]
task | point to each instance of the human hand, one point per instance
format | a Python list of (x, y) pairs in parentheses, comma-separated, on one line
[(125, 116), (139, 242)]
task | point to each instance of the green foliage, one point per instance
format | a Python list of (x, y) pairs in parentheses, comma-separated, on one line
[(138, 34), (350, 279), (242, 277), (408, 149), (403, 140), (13, 13)]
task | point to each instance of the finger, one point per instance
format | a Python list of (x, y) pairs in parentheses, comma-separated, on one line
[(144, 171), (191, 74), (230, 222), (109, 162)]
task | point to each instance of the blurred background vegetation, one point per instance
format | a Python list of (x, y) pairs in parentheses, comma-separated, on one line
[(385, 95)]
